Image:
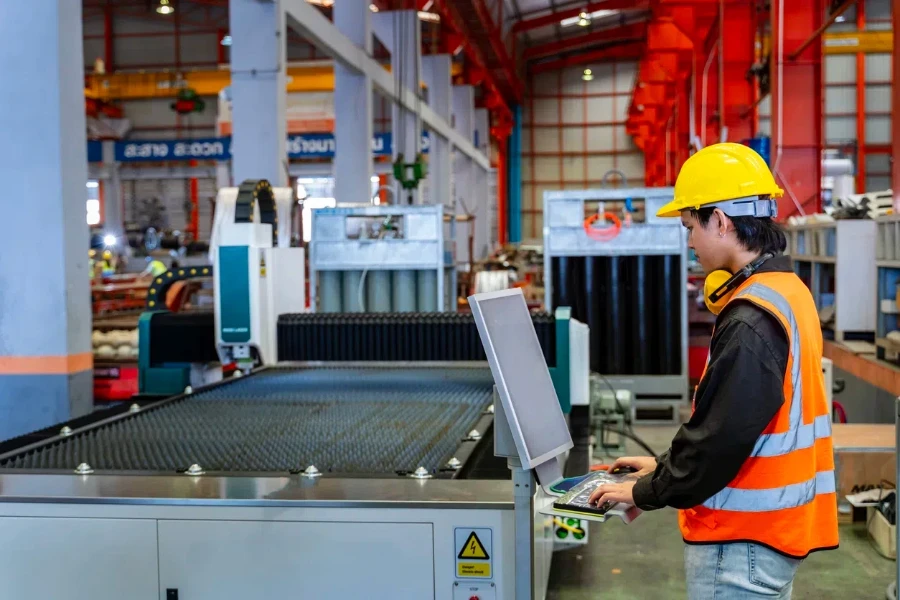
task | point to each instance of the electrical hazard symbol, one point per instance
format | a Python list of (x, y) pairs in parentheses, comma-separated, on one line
[(474, 552), (473, 548)]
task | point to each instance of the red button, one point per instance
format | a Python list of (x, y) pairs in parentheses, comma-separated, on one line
[(474, 598)]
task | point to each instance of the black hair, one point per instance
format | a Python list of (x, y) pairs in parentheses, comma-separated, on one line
[(754, 234)]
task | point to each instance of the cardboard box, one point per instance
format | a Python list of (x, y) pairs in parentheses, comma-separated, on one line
[(861, 471), (883, 534)]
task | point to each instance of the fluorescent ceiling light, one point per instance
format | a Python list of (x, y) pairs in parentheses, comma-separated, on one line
[(839, 19), (165, 7), (597, 14), (226, 40)]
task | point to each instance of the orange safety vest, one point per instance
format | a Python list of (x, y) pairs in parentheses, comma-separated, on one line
[(784, 495)]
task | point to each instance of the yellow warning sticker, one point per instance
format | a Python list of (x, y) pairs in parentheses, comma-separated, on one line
[(473, 548), (474, 552), (480, 569)]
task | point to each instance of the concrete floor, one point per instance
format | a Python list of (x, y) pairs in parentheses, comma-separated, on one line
[(645, 559)]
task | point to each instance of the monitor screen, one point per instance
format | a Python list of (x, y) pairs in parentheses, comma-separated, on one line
[(521, 375)]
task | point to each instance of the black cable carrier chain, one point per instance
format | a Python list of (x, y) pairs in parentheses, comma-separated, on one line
[(251, 192)]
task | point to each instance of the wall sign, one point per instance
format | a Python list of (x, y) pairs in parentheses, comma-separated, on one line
[(306, 145)]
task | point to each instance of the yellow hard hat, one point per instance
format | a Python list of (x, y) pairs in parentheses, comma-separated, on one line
[(107, 254), (713, 282), (92, 253), (721, 174)]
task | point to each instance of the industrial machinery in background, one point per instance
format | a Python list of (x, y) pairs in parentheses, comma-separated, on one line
[(379, 259), (624, 273), (257, 275)]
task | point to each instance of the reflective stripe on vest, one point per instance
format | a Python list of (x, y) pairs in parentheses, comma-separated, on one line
[(798, 437), (789, 496)]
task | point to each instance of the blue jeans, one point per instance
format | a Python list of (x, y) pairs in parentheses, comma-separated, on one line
[(738, 571)]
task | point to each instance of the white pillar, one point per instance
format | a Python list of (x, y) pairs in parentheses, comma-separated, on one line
[(353, 108), (406, 61), (437, 77), (463, 178), (223, 174), (258, 90), (481, 190), (113, 219), (45, 313)]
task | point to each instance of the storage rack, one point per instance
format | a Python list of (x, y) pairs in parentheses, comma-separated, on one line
[(887, 265), (657, 397), (834, 259)]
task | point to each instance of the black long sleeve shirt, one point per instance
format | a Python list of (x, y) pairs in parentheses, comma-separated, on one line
[(735, 401)]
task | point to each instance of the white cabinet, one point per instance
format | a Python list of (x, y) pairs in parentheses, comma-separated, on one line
[(215, 560), (78, 559)]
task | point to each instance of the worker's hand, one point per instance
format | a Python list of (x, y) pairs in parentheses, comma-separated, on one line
[(643, 465), (613, 492)]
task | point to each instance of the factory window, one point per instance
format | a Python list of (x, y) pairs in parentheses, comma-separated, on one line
[(93, 203)]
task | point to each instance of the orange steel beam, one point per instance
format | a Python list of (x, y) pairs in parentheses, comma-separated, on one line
[(895, 103), (166, 84), (860, 105), (832, 17)]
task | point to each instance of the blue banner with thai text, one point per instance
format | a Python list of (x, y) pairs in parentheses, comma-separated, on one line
[(95, 151), (307, 145)]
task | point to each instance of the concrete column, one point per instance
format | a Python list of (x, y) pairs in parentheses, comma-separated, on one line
[(484, 201), (113, 217), (406, 61), (258, 90), (437, 75), (223, 174), (45, 315), (353, 108), (463, 170)]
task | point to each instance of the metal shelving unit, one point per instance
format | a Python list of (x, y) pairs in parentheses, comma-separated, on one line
[(887, 266), (835, 260)]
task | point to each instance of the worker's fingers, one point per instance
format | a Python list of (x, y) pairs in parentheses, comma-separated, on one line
[(603, 493), (625, 462)]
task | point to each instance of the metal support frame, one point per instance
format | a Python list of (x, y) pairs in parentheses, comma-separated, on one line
[(564, 236), (421, 248), (307, 20)]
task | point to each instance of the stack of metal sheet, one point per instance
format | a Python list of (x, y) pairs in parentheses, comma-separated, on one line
[(355, 421), (392, 337)]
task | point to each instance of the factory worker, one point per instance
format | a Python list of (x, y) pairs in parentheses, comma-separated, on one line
[(155, 267), (752, 471)]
